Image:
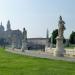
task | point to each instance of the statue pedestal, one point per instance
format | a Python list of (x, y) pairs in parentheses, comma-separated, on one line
[(59, 47), (24, 45)]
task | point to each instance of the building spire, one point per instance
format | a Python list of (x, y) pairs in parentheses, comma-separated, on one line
[(1, 23), (47, 33), (1, 27), (8, 25)]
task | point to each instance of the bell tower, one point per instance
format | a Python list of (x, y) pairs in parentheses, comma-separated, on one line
[(8, 25)]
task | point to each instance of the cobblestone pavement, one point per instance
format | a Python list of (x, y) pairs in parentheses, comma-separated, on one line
[(40, 54)]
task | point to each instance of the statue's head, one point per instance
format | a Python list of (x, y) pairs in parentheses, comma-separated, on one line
[(61, 21), (23, 29), (60, 17)]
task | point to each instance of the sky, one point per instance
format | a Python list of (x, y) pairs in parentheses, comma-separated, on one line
[(38, 15)]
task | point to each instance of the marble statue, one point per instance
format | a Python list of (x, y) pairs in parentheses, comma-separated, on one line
[(24, 41), (59, 40), (61, 27)]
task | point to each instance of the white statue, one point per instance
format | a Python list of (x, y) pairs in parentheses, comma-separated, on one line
[(24, 41), (59, 44), (61, 27)]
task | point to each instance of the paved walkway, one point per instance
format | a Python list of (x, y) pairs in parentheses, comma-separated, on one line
[(40, 54)]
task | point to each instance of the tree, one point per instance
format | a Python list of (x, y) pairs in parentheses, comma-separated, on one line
[(72, 38), (54, 35), (3, 42)]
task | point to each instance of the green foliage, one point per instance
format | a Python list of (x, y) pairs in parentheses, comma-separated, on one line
[(2, 42), (14, 64), (72, 38), (54, 35), (71, 46)]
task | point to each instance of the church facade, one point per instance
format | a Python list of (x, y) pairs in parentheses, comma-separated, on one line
[(15, 38)]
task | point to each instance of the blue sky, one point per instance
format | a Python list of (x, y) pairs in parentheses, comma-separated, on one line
[(38, 15)]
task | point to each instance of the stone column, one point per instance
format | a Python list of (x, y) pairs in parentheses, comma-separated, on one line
[(59, 40)]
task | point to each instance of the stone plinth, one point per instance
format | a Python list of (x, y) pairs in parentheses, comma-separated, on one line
[(24, 46), (59, 47)]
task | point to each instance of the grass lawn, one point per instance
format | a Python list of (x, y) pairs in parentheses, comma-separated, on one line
[(14, 64)]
